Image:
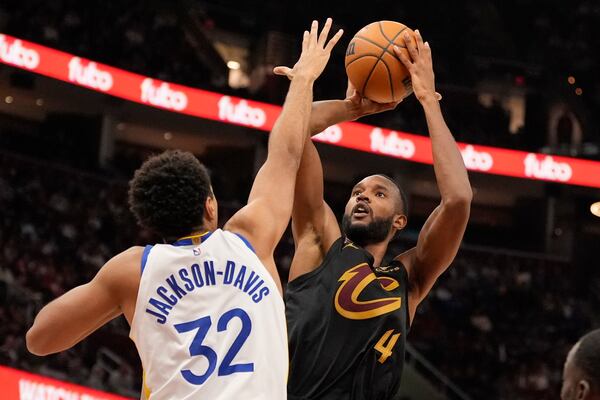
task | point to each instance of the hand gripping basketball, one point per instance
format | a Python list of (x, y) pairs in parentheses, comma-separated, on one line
[(419, 64), (316, 51)]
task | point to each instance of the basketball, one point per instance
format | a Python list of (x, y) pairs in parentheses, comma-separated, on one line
[(372, 66)]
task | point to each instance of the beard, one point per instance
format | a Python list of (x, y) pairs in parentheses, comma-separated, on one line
[(375, 231)]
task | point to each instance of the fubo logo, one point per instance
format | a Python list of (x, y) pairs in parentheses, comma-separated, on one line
[(17, 54), (391, 144), (241, 113), (89, 75), (163, 96), (547, 168), (477, 160)]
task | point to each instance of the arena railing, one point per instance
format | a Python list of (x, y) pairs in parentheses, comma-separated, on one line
[(433, 375)]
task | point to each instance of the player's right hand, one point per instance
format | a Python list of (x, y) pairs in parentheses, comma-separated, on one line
[(315, 53), (418, 63), (360, 106)]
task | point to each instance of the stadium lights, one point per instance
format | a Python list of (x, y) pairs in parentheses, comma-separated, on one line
[(233, 64), (595, 209)]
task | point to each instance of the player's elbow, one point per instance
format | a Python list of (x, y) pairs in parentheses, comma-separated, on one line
[(36, 342), (460, 201)]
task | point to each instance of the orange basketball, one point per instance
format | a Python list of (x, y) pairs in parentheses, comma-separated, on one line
[(372, 65)]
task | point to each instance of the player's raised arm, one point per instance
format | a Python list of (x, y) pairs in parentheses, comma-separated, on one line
[(314, 225), (66, 321), (265, 218), (330, 112), (442, 233)]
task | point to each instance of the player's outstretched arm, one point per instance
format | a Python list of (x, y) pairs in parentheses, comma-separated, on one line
[(64, 322), (442, 233), (330, 112), (265, 218), (314, 225)]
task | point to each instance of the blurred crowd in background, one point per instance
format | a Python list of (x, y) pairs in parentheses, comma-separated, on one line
[(498, 325)]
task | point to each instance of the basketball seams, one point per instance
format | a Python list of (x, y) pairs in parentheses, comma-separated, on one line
[(378, 45), (379, 59), (382, 32), (389, 76), (361, 57)]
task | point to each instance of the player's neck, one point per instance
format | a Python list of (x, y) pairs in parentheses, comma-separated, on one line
[(377, 250), (197, 232)]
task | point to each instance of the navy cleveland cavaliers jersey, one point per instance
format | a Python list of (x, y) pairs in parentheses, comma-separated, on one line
[(347, 327)]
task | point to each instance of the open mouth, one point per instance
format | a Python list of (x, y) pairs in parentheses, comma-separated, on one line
[(361, 210)]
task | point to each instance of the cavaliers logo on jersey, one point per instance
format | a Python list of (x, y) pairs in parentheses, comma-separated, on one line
[(354, 281)]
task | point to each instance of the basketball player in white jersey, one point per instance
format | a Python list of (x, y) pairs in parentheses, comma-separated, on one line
[(205, 308)]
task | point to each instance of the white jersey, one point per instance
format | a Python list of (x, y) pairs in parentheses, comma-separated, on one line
[(209, 322)]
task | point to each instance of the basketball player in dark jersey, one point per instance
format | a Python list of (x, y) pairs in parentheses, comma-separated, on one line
[(348, 314)]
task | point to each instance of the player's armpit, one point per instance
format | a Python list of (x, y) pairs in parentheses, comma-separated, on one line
[(311, 245), (70, 318)]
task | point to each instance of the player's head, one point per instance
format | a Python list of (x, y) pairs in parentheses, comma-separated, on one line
[(375, 212), (171, 195), (581, 373)]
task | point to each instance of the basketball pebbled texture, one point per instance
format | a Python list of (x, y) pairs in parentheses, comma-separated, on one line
[(372, 66)]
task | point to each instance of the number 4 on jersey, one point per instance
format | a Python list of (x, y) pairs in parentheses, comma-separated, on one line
[(386, 349)]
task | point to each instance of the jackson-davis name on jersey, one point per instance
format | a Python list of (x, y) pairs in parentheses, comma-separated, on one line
[(197, 276)]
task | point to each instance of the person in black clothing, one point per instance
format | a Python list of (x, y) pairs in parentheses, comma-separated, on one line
[(348, 315)]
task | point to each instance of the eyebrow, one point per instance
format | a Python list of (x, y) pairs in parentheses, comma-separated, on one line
[(376, 186), (379, 186)]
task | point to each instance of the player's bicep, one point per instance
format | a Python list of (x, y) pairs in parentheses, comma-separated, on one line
[(308, 215), (437, 245)]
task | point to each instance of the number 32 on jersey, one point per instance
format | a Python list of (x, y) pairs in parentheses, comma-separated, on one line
[(202, 327)]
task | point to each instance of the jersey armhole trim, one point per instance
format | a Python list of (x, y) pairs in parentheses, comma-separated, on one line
[(406, 293), (246, 242), (305, 277), (145, 257)]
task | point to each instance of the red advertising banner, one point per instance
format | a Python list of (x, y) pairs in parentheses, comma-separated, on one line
[(233, 110), (20, 385)]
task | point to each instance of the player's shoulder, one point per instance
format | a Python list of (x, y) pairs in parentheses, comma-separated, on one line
[(134, 253), (125, 261)]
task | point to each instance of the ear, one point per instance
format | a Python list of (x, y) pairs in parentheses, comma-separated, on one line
[(582, 391), (210, 209), (400, 221)]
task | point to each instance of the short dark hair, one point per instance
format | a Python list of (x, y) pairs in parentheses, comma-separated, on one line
[(587, 358), (403, 208), (168, 192)]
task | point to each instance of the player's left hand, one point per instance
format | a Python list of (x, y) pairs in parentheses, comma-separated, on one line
[(419, 65), (360, 106)]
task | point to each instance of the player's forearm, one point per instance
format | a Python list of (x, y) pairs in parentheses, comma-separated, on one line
[(330, 112), (451, 174), (291, 128)]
